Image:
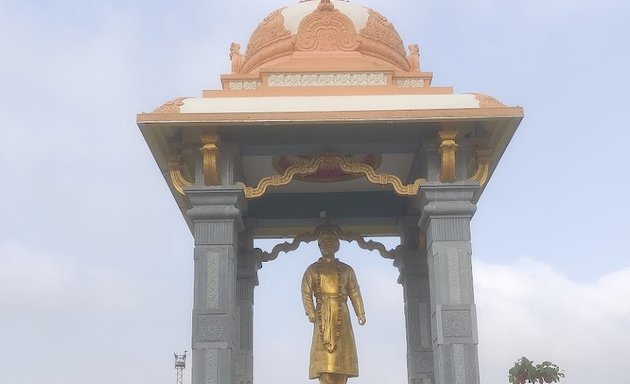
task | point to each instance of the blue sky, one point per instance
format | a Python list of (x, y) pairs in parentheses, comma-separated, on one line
[(96, 262)]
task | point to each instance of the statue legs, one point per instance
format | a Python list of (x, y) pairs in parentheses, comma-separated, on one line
[(332, 378)]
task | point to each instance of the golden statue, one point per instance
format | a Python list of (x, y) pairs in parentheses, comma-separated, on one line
[(331, 282)]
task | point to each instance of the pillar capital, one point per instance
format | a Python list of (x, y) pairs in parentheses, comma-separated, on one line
[(446, 192), (216, 203), (446, 200)]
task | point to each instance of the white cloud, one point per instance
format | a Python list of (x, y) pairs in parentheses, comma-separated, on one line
[(37, 280), (530, 309)]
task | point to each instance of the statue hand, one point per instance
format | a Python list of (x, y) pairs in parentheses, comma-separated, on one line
[(361, 319), (311, 318)]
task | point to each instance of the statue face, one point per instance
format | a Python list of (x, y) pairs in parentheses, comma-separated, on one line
[(328, 245)]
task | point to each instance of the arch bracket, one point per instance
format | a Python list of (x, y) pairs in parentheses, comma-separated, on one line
[(289, 246)]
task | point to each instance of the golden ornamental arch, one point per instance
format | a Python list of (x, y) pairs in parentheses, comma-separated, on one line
[(348, 165)]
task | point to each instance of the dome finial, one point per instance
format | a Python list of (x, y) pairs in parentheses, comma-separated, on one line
[(328, 1), (325, 5)]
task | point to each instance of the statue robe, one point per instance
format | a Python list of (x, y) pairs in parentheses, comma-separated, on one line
[(333, 349)]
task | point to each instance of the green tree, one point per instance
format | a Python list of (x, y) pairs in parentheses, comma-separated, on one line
[(524, 371)]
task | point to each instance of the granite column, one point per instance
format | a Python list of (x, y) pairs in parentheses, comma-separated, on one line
[(411, 260), (446, 213), (216, 218), (248, 264)]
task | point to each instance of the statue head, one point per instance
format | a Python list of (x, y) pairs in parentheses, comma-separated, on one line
[(328, 243), (235, 48)]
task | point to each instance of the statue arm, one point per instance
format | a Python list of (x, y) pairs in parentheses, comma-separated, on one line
[(307, 295), (355, 297)]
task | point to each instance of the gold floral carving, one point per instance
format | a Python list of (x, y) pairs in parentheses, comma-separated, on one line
[(384, 41), (369, 245), (448, 147), (175, 172), (486, 101), (347, 165), (171, 106), (328, 172), (210, 151), (483, 166), (327, 29), (270, 40)]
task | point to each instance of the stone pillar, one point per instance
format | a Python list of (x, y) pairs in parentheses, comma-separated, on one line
[(216, 218), (248, 264), (411, 261), (446, 213)]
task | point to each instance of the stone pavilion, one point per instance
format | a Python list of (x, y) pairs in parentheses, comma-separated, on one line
[(327, 113)]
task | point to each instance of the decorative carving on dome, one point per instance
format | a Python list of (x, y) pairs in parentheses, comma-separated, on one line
[(171, 106), (380, 50), (486, 101), (270, 29), (380, 40), (414, 58), (327, 29), (269, 41), (379, 28)]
